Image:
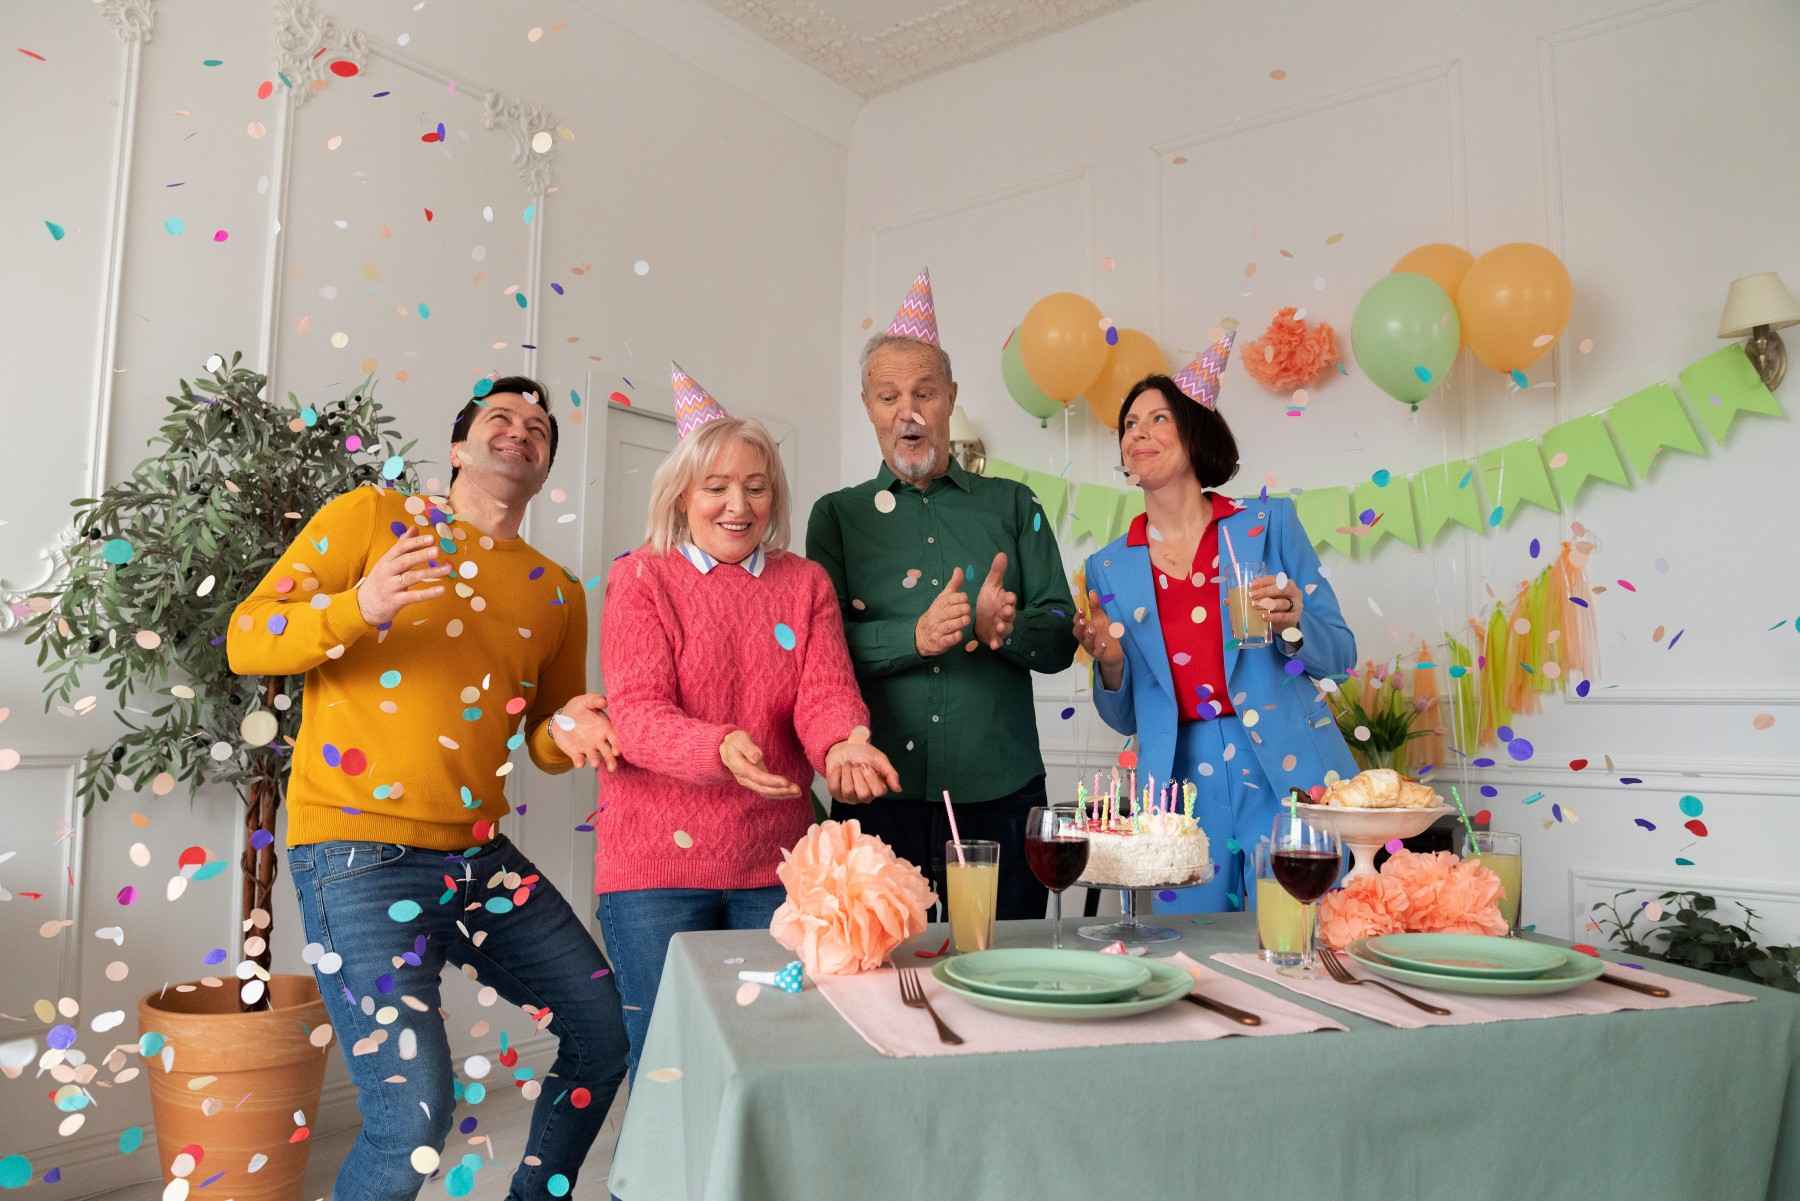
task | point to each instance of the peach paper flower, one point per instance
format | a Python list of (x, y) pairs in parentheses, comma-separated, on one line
[(1446, 894), (1363, 908), (1290, 354), (850, 900)]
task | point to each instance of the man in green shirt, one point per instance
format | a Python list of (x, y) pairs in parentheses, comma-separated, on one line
[(947, 677)]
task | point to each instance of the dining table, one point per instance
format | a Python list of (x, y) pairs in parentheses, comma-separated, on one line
[(755, 1094)]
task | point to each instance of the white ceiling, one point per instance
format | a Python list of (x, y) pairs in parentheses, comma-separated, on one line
[(874, 46)]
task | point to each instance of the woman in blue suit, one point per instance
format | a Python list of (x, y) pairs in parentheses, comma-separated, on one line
[(1244, 724)]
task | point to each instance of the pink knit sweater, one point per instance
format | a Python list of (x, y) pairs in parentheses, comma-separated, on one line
[(687, 658)]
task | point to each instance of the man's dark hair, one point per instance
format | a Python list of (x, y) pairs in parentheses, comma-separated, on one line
[(522, 385), (1204, 432)]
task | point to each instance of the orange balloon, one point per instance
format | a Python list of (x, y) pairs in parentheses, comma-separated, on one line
[(1062, 345), (1514, 303), (1442, 264), (1135, 356)]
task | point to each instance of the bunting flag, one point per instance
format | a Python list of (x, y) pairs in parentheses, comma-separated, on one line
[(1442, 495), (1649, 422), (1512, 476), (1581, 450), (1549, 471)]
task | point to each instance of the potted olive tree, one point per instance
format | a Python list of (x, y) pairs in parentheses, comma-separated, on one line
[(158, 562)]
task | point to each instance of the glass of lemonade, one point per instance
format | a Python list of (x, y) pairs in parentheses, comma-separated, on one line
[(972, 878), (1280, 919), (1499, 853), (1249, 624)]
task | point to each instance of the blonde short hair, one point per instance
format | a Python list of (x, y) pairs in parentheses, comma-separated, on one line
[(667, 527)]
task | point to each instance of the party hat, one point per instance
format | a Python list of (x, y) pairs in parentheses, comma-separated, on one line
[(917, 317), (1200, 378), (694, 405)]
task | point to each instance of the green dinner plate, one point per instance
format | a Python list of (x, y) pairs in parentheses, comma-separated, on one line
[(1168, 984), (1465, 955), (1036, 974), (1576, 969)]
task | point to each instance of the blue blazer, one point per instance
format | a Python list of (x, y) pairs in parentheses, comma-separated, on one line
[(1292, 717)]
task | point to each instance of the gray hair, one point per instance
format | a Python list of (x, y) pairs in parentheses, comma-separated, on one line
[(885, 339)]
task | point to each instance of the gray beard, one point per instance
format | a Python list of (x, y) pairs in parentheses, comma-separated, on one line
[(921, 468)]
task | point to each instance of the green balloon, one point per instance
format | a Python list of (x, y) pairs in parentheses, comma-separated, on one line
[(1405, 334), (1025, 394)]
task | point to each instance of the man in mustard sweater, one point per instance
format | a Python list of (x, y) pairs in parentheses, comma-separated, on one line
[(434, 641)]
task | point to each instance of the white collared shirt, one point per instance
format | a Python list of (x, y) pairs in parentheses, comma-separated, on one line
[(704, 563)]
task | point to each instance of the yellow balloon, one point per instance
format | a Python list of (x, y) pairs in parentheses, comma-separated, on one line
[(1442, 264), (1135, 356), (1062, 345), (1514, 304)]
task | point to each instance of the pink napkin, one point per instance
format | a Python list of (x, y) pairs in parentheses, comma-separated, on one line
[(1383, 1006), (870, 1002)]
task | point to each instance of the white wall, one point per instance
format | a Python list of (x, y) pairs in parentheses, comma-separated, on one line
[(1647, 144), (694, 147)]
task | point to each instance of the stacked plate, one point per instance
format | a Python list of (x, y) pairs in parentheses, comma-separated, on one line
[(1475, 964), (1062, 985)]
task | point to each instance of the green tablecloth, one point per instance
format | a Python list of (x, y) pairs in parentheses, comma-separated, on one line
[(782, 1101)]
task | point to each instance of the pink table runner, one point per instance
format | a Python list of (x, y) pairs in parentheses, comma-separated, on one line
[(871, 1004), (1383, 1006)]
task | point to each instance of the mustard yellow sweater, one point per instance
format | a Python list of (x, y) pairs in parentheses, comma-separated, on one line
[(405, 730)]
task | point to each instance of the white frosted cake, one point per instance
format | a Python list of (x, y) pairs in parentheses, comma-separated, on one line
[(1164, 849)]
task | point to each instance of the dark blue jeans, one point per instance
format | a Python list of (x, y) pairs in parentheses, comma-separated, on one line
[(538, 955), (638, 926)]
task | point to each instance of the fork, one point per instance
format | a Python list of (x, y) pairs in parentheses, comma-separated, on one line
[(1341, 974), (912, 994)]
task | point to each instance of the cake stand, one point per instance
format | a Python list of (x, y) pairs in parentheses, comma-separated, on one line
[(1366, 831), (1127, 929)]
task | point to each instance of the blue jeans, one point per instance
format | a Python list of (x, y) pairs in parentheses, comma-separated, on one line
[(638, 926), (538, 954)]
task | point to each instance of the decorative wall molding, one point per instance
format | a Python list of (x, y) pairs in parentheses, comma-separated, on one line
[(1685, 697), (1715, 777), (14, 606), (1777, 899), (133, 20), (522, 121), (307, 41)]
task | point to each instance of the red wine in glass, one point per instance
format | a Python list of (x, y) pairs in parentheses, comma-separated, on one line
[(1057, 862), (1307, 875)]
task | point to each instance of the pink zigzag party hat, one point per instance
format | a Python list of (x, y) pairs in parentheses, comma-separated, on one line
[(917, 317), (1200, 378), (694, 405)]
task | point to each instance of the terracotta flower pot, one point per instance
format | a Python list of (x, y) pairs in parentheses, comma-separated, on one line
[(252, 1071)]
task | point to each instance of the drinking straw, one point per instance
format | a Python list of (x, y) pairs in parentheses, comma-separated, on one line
[(955, 838), (1237, 569), (1467, 824)]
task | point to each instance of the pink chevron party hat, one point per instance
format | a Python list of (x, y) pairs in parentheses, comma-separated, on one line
[(1200, 378), (694, 405), (917, 317)]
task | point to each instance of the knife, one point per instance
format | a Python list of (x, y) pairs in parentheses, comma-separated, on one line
[(1649, 990), (1241, 1016)]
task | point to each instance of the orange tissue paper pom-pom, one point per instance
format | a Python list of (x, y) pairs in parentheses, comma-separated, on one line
[(1290, 354), (850, 900)]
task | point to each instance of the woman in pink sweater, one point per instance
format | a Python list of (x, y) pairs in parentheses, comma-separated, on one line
[(728, 684)]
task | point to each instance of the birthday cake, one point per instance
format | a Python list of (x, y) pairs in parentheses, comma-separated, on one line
[(1380, 788), (1167, 848)]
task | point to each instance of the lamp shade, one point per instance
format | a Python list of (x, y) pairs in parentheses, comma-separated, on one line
[(961, 428), (1758, 300)]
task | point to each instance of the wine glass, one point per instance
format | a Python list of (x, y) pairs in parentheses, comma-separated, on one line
[(1057, 851), (1306, 858)]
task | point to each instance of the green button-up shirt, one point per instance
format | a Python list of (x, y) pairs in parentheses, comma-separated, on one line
[(963, 720)]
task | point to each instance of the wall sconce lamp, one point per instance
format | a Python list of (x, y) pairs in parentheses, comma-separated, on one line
[(1757, 306), (966, 446)]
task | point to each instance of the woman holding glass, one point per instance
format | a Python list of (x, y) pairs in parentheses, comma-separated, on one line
[(729, 684), (1208, 623)]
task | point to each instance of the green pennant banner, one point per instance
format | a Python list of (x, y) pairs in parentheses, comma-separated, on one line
[(1512, 476), (1393, 508), (1549, 471), (1095, 510), (1325, 516), (1445, 494), (1581, 450), (1051, 491), (1722, 385), (1649, 422)]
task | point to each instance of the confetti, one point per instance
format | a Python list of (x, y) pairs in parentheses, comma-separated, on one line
[(1762, 721), (665, 1075)]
